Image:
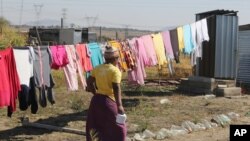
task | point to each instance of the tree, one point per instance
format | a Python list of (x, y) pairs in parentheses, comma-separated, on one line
[(9, 36), (3, 22)]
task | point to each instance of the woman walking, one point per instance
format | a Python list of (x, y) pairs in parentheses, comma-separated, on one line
[(106, 117)]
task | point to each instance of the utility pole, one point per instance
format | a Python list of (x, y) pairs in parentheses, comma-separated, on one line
[(89, 19), (64, 16), (116, 35), (126, 31), (1, 8), (100, 36), (21, 14), (38, 8), (1, 30)]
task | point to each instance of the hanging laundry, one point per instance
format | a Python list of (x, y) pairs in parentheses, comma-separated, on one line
[(128, 55), (175, 45), (46, 93), (149, 47), (27, 97), (138, 74), (169, 51), (103, 48), (59, 56), (187, 39), (9, 80), (202, 35), (42, 74), (84, 57), (204, 30), (71, 70), (194, 51), (199, 39), (42, 65), (170, 66), (167, 44), (24, 57), (159, 49), (139, 45), (32, 100), (96, 54), (193, 34), (122, 63), (180, 38)]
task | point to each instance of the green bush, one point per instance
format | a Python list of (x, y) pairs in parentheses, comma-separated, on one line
[(10, 36)]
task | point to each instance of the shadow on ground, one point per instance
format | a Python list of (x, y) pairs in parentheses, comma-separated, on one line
[(161, 92), (148, 93), (20, 133), (127, 103)]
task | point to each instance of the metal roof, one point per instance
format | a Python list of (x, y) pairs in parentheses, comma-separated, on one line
[(244, 27), (219, 12)]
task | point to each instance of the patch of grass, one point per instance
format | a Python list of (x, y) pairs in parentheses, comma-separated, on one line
[(147, 90), (146, 112), (77, 104), (182, 69), (59, 78), (247, 114), (143, 125)]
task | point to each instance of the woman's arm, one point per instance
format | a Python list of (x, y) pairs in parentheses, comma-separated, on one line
[(118, 98), (91, 85)]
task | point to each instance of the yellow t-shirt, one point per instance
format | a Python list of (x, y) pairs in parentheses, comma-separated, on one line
[(104, 75)]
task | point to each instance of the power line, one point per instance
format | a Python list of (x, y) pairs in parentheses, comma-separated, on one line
[(64, 13), (38, 8), (64, 16), (128, 25), (126, 31), (89, 19)]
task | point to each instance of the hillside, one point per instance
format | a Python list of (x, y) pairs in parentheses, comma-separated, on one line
[(121, 33)]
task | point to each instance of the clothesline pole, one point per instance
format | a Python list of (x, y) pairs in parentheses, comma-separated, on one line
[(159, 79), (24, 115), (25, 122)]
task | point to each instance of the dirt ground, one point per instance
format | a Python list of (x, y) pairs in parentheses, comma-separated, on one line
[(144, 110)]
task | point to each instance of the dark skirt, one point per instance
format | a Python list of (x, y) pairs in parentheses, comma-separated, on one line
[(101, 121)]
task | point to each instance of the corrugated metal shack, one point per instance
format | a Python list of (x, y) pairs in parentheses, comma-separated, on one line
[(70, 36), (219, 54), (46, 35), (243, 74), (50, 36)]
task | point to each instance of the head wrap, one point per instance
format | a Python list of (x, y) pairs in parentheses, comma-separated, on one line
[(111, 52)]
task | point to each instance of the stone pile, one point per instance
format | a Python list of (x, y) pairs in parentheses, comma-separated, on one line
[(186, 128)]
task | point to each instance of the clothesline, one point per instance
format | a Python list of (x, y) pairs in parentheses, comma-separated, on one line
[(31, 67)]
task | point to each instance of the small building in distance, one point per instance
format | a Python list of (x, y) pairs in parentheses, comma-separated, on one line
[(49, 36)]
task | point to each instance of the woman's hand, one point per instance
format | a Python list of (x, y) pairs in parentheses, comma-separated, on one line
[(120, 110)]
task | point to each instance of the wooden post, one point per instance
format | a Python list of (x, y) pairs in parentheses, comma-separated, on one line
[(25, 122)]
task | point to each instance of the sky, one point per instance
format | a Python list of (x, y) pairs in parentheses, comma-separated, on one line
[(137, 14)]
